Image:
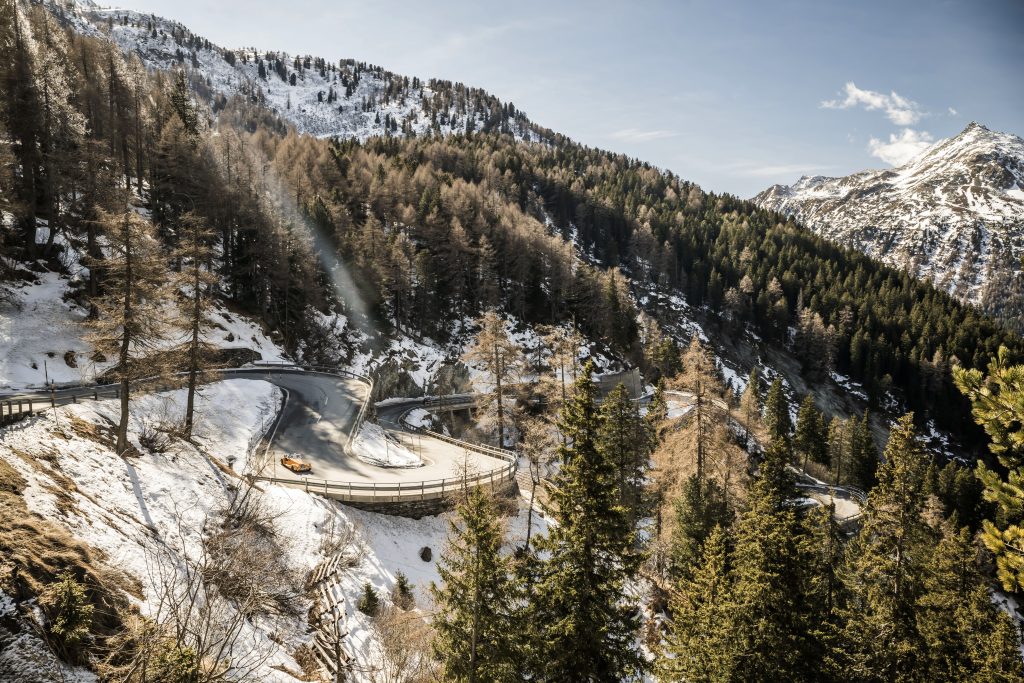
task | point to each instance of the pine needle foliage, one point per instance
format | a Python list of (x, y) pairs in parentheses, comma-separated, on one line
[(477, 601), (586, 623)]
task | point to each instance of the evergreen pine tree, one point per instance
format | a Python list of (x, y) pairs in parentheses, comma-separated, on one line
[(965, 637), (810, 441), (997, 402), (822, 549), (585, 625), (776, 413), (699, 509), (369, 602), (625, 442), (402, 595), (771, 615), (750, 407), (68, 610), (473, 619), (883, 571), (700, 644), (863, 454)]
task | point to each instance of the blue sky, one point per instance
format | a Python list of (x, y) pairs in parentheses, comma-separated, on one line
[(733, 95)]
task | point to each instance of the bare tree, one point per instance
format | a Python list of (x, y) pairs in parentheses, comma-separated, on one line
[(539, 447), (700, 378), (404, 639), (502, 359), (196, 279), (564, 344), (131, 320)]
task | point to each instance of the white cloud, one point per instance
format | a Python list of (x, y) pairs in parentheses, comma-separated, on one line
[(901, 147), (898, 109), (637, 135), (952, 111)]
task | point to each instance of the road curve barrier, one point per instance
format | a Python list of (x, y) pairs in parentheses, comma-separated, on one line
[(16, 406)]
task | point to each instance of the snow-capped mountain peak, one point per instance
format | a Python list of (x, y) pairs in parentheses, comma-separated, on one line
[(341, 98), (953, 214)]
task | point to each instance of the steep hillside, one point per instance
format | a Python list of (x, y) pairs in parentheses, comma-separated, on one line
[(953, 215), (345, 98)]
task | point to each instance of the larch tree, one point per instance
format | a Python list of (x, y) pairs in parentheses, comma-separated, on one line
[(131, 320), (539, 446), (701, 448), (195, 282), (700, 378), (564, 344), (501, 358)]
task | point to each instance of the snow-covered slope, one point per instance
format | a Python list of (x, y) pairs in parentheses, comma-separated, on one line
[(321, 97), (954, 214)]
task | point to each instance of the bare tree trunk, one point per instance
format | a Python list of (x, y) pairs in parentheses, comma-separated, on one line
[(534, 481), (138, 139), (476, 623), (193, 361), (501, 411), (126, 342)]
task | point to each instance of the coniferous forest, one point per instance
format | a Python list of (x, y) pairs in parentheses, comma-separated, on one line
[(675, 546)]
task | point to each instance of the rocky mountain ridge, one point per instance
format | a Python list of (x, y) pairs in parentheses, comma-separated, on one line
[(343, 98), (953, 215)]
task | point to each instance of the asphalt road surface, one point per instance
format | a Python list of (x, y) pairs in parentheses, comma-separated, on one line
[(315, 423)]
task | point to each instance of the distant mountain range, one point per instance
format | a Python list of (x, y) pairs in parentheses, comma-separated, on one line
[(954, 215)]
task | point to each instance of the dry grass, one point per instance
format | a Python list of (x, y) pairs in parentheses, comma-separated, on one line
[(305, 658), (33, 551), (57, 484), (101, 434)]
